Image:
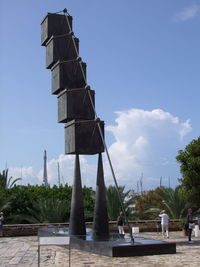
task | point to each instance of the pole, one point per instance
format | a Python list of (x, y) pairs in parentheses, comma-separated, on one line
[(38, 255), (58, 175), (69, 255)]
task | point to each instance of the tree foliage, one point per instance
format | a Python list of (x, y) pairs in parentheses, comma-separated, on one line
[(26, 199), (114, 206), (46, 211), (189, 160), (4, 201), (173, 201), (88, 199), (6, 182), (150, 204), (33, 203)]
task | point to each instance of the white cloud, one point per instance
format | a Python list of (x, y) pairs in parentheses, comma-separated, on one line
[(144, 142), (186, 128), (66, 166), (187, 13), (65, 163), (26, 173)]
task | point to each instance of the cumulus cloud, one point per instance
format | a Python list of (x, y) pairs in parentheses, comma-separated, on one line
[(186, 128), (66, 167), (187, 13), (27, 174), (145, 142)]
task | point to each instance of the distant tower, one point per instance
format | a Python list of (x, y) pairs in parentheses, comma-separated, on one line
[(58, 174), (45, 178)]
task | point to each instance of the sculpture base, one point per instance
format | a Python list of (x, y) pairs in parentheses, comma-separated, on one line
[(114, 245), (123, 247)]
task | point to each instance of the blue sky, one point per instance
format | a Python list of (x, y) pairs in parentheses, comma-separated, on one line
[(143, 62)]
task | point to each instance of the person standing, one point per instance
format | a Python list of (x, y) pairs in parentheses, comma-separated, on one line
[(1, 223), (120, 223), (190, 225), (199, 221), (164, 223)]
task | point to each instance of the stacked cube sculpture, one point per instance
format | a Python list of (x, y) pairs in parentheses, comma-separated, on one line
[(84, 132)]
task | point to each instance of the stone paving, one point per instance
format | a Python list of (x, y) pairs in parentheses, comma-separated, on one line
[(22, 252)]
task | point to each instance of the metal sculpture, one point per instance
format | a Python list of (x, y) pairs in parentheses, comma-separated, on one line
[(84, 131), (84, 134)]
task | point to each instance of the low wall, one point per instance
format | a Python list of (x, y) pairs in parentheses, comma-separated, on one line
[(149, 225), (32, 229), (27, 229)]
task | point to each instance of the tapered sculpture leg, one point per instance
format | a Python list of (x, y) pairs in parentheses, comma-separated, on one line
[(77, 220), (100, 225)]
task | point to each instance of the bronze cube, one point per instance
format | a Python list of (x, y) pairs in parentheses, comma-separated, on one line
[(75, 104), (83, 137), (68, 74), (61, 48), (54, 24)]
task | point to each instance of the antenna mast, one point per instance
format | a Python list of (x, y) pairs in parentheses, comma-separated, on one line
[(45, 178), (58, 174)]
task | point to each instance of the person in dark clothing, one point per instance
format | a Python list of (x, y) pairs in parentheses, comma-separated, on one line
[(120, 223), (190, 223)]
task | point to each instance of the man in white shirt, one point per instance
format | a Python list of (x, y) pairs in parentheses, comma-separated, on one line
[(164, 223)]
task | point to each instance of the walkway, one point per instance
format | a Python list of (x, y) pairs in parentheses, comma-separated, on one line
[(22, 252)]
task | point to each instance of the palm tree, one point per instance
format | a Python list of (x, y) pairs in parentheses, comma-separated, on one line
[(163, 198), (148, 205), (46, 211), (4, 203), (113, 203), (6, 182), (173, 202)]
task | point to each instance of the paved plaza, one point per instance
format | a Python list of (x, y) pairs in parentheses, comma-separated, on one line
[(22, 251)]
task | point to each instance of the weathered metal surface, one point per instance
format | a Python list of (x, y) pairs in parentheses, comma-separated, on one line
[(123, 247), (83, 137), (54, 24), (75, 104), (77, 220), (60, 48), (67, 74), (100, 224)]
